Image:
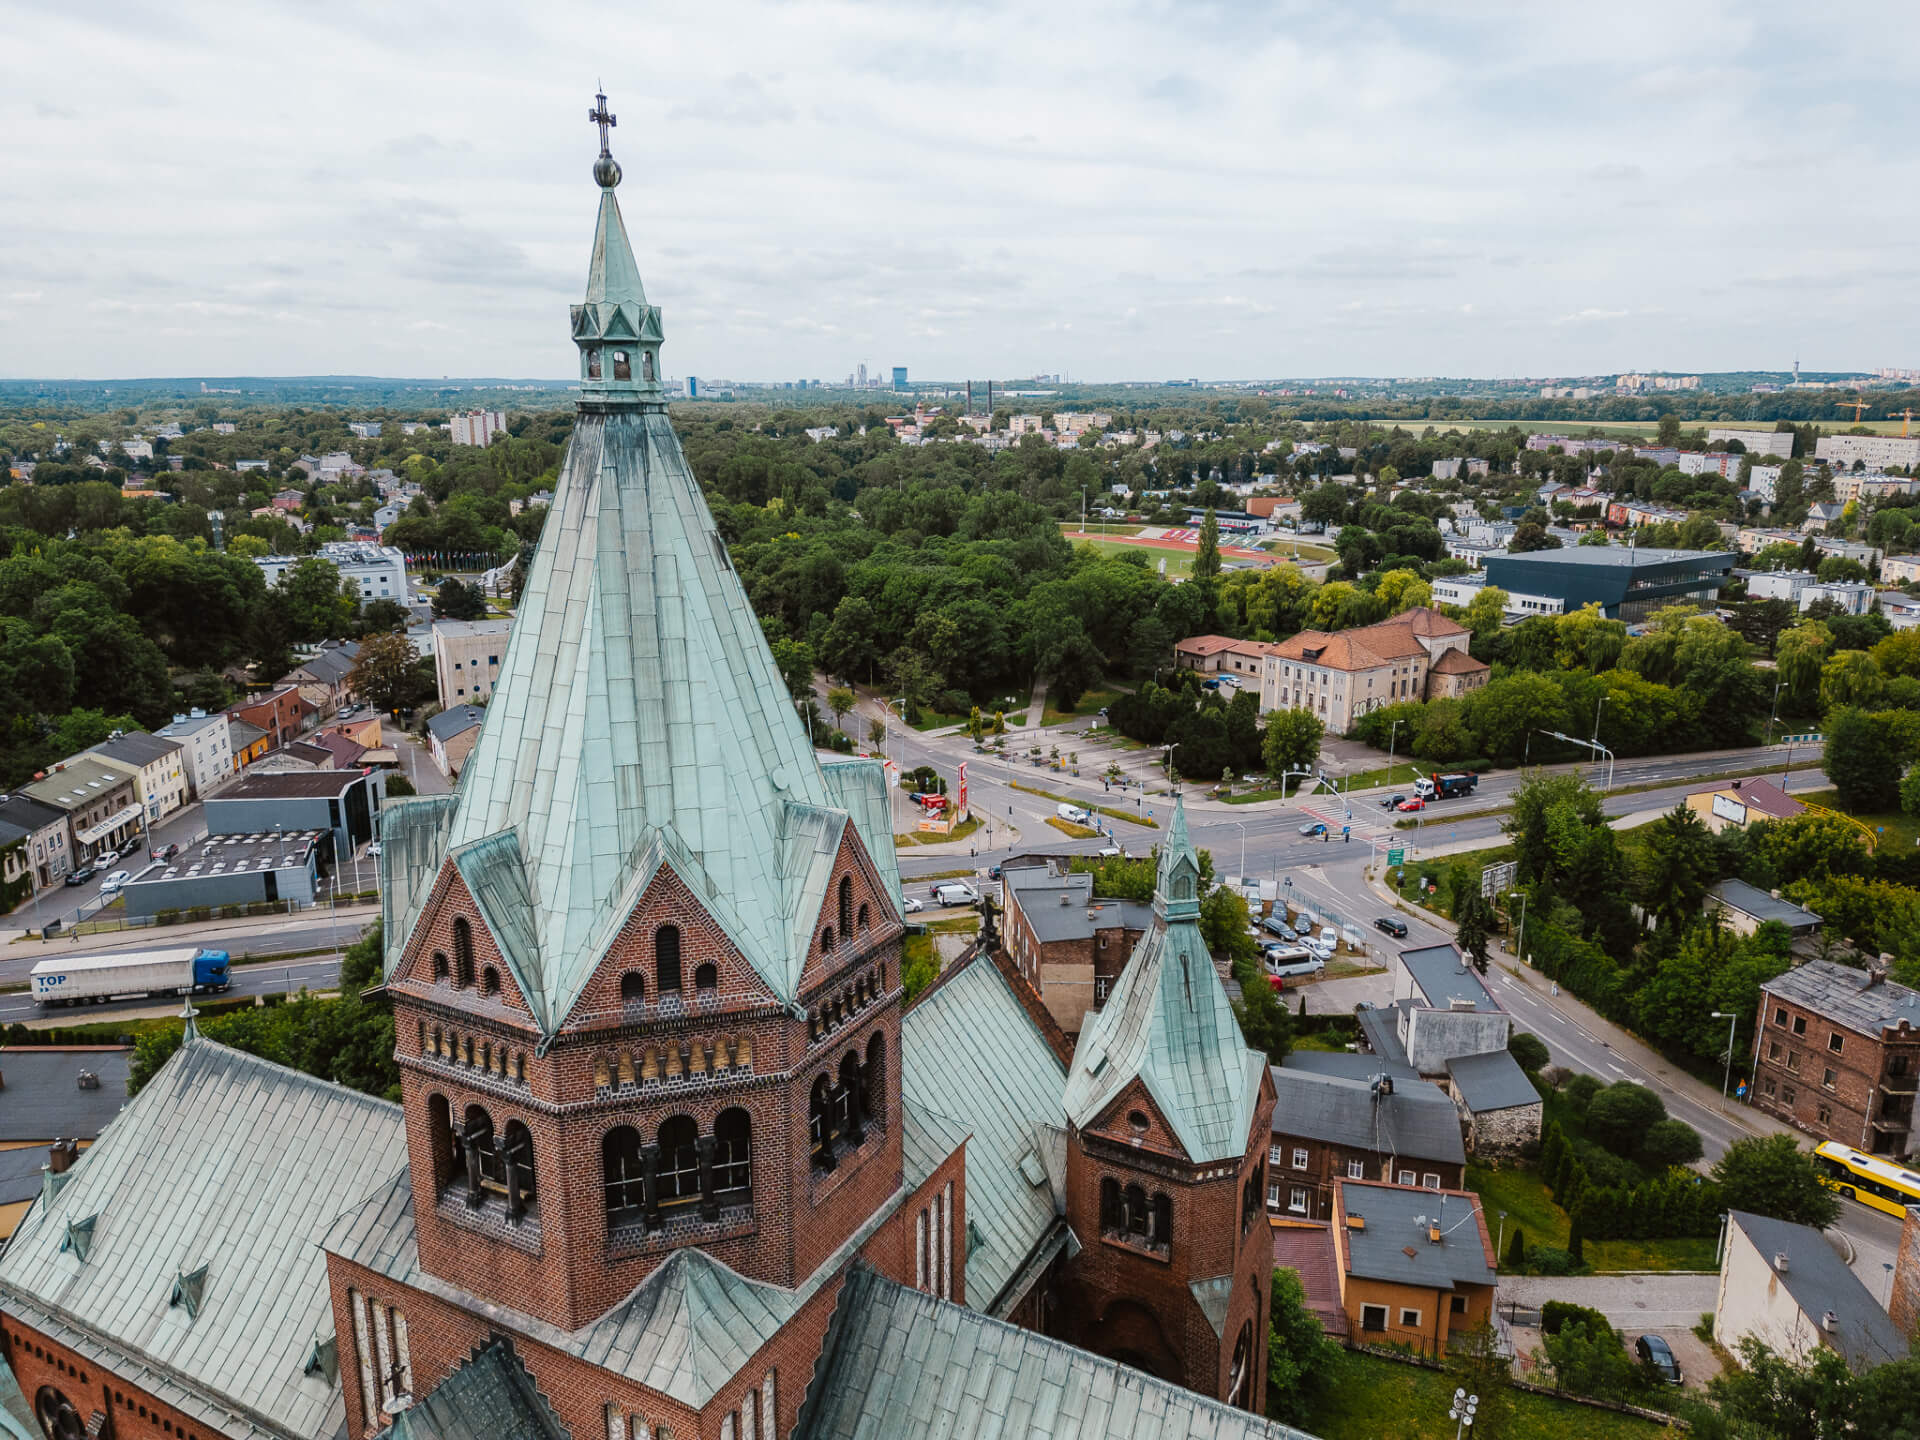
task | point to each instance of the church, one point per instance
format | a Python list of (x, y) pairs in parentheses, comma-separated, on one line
[(674, 1159)]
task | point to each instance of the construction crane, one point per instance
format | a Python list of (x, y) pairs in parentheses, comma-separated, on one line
[(1906, 419), (1857, 406)]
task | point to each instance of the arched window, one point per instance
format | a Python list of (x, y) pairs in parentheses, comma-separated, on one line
[(1238, 1388), (489, 981), (679, 1182), (826, 940), (1110, 1218), (462, 952), (439, 966), (877, 1077), (866, 919), (821, 1132), (846, 904), (1135, 1217), (850, 1099), (622, 366), (593, 362), (732, 1157), (519, 1146), (1160, 1231), (633, 988), (706, 978), (666, 958), (478, 1156), (57, 1416), (623, 1176), (646, 363)]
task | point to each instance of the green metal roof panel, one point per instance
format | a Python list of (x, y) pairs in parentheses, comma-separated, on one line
[(224, 1161), (1169, 1023), (1214, 1297), (903, 1365), (927, 1141), (973, 1056), (859, 787), (413, 838), (16, 1416), (489, 1394)]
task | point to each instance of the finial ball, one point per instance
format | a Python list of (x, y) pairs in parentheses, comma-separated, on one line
[(606, 170)]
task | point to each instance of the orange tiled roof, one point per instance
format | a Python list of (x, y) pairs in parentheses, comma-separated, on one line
[(1206, 644), (1459, 662)]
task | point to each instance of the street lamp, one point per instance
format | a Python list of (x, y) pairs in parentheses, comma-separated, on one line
[(1392, 735), (1500, 1245), (1726, 1079), (1461, 1412), (1520, 940)]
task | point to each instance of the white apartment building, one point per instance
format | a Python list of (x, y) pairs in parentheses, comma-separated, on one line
[(476, 427), (378, 572), (154, 763), (1788, 585), (1709, 462), (1764, 481), (1758, 442), (206, 745), (466, 659), (1877, 451), (1851, 597), (1900, 569)]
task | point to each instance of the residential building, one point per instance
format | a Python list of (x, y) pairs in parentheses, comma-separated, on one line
[(157, 766), (1461, 589), (1356, 1117), (451, 736), (1710, 462), (377, 572), (33, 847), (330, 670), (1222, 655), (1415, 1266), (250, 742), (1417, 655), (388, 515), (1452, 469), (1764, 482), (365, 429), (1836, 1052), (466, 659), (1847, 597), (282, 713), (1627, 582), (1876, 452), (206, 743), (1757, 442), (476, 427), (1737, 804), (343, 807), (1497, 1102), (1784, 1285), (1788, 585), (1744, 908), (57, 1100), (1822, 514), (101, 803), (1902, 611), (1069, 946)]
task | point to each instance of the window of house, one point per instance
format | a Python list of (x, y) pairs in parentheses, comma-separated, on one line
[(1767, 1085), (1101, 986), (1299, 1158), (1297, 1199), (1793, 1060), (1273, 1197), (1773, 1050), (1826, 1114), (1830, 1077), (1799, 1024), (1276, 1156), (1780, 1015), (1430, 1180), (1407, 1177), (1834, 1042), (1356, 1169), (1410, 1319), (1787, 1094), (1458, 1305), (1373, 1318)]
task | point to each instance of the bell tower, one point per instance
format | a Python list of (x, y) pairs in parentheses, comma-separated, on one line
[(644, 963)]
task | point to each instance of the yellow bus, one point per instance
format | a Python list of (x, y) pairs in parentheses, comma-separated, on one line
[(1867, 1178)]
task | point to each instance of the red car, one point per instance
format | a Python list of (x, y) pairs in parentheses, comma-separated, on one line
[(1277, 982), (1413, 802)]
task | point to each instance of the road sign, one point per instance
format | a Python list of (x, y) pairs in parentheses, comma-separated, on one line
[(1817, 739), (1397, 856), (1494, 879)]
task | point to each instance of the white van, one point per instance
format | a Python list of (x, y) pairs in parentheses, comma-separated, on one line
[(955, 892), (1294, 961), (1073, 815)]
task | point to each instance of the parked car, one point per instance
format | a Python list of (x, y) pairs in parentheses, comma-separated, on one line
[(1393, 802), (165, 852), (132, 845), (1108, 851), (80, 876), (1393, 927), (1312, 828), (105, 858), (113, 882), (1278, 924), (1321, 950), (1657, 1356), (1411, 803), (1296, 961), (912, 904)]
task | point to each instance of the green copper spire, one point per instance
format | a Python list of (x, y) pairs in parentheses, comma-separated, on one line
[(1176, 890), (617, 331)]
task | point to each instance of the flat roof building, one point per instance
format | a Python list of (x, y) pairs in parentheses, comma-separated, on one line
[(466, 659), (1627, 582)]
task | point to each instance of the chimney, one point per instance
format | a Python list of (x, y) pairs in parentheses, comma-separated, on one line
[(1433, 1232), (1830, 1322), (1736, 784), (1780, 1261), (60, 1155), (1460, 1002), (1066, 898), (1875, 976), (87, 1080), (1774, 893)]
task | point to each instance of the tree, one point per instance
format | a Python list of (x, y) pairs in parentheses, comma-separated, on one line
[(1679, 863), (876, 733), (382, 614), (1852, 678), (1668, 429), (457, 601), (1472, 916), (1670, 1142), (1531, 536), (1769, 1397), (1772, 1175), (382, 673), (316, 605), (1291, 740), (1620, 1114), (1530, 1050), (839, 702), (1587, 1358), (1864, 758), (1517, 1251), (794, 660), (1300, 1359)]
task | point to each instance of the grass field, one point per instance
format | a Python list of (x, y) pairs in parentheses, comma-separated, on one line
[(1897, 831), (1091, 703), (1376, 1399), (1179, 562), (931, 837), (1071, 830), (1527, 1204)]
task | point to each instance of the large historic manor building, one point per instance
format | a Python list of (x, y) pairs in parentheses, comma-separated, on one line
[(672, 1158)]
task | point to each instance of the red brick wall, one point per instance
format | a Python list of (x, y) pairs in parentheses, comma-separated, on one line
[(1797, 1062), (37, 1361)]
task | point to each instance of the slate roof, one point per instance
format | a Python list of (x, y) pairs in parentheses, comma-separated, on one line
[(22, 816), (234, 1163), (1039, 893), (1380, 1025), (1416, 1119), (1350, 1063), (1843, 995), (1761, 905), (76, 783), (41, 1098), (488, 1394), (449, 723), (290, 785), (904, 1365), (331, 665), (1168, 1022), (1818, 1282), (20, 1173), (1393, 1214), (137, 747), (972, 1056), (242, 733), (1442, 975), (1493, 1081)]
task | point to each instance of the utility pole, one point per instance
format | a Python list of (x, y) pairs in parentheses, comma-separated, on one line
[(1726, 1079)]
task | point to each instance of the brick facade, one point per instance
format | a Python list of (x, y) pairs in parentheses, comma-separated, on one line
[(42, 1366), (1859, 1094), (1326, 1163)]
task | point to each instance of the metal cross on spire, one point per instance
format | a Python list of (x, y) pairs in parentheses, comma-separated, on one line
[(599, 116)]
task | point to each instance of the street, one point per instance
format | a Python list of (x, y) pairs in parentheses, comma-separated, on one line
[(317, 972)]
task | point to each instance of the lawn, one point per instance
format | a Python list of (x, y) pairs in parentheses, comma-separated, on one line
[(1109, 811), (1071, 830), (1893, 828), (1091, 703), (1179, 562), (1377, 1399), (1520, 1193), (933, 837)]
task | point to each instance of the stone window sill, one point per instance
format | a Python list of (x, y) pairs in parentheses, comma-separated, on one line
[(1135, 1245), (489, 1218), (824, 1183)]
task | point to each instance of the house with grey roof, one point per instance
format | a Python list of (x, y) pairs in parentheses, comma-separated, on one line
[(1785, 1286), (1356, 1117), (1836, 1052), (1443, 1008), (54, 1099), (451, 736), (1744, 908), (33, 847), (1498, 1102), (157, 765), (1415, 1266), (1068, 943)]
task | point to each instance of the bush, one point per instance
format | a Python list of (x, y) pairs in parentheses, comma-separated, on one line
[(1670, 1142), (1620, 1116), (1556, 1313), (1530, 1050), (166, 917), (1550, 1260), (1580, 1092), (1604, 1168), (953, 702)]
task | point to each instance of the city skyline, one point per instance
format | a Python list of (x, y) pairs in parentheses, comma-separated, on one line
[(1465, 190)]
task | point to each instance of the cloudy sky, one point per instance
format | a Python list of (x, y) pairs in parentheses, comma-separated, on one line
[(1114, 190)]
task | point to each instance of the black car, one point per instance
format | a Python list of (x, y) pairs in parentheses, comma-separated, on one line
[(80, 876), (1392, 802), (132, 845), (1657, 1356), (1393, 927)]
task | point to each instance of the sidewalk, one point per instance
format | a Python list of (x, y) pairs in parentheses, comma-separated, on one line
[(145, 937)]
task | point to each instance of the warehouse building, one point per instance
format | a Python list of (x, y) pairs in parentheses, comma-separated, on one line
[(1627, 582)]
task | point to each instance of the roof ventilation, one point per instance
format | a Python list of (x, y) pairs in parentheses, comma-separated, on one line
[(79, 1238), (189, 1291), (1780, 1261), (323, 1359), (1460, 1002), (1829, 1322)]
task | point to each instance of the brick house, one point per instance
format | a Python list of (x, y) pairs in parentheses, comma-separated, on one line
[(1356, 1117), (1068, 945), (1343, 675), (1837, 1053), (282, 713), (1415, 1266), (672, 1157)]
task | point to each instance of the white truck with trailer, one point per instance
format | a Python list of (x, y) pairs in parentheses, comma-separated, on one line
[(96, 979)]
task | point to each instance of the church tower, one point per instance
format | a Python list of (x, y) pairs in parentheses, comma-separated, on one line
[(1169, 1115), (644, 962)]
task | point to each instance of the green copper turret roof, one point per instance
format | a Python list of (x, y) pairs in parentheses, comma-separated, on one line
[(613, 276), (1169, 1024)]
